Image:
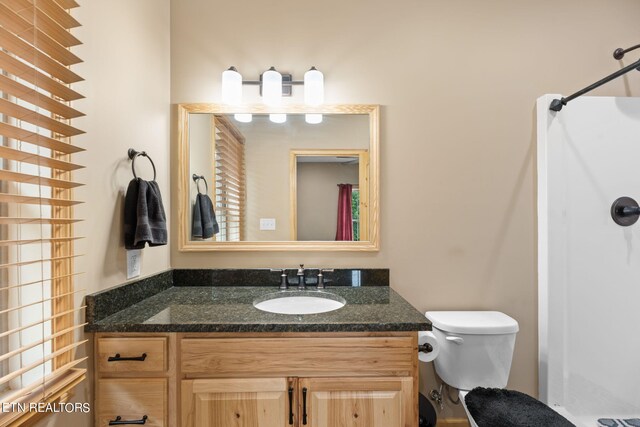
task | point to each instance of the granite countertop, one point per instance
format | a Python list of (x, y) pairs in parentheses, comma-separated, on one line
[(230, 309)]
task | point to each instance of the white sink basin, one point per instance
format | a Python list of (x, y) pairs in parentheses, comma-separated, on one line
[(299, 303)]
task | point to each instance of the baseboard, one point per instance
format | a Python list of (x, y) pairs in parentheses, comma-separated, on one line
[(453, 422)]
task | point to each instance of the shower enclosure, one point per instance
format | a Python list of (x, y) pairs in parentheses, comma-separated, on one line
[(588, 266)]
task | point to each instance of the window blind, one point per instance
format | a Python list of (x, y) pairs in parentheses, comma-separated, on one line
[(38, 361), (229, 180)]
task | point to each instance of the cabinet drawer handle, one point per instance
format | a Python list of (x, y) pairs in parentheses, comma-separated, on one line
[(118, 358), (120, 422), (304, 406), (290, 406)]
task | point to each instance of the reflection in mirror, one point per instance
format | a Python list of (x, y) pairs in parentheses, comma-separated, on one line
[(327, 201), (273, 182)]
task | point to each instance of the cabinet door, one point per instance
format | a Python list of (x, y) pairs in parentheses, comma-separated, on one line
[(246, 402), (357, 402)]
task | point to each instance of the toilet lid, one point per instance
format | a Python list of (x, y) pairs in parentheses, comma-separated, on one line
[(473, 322)]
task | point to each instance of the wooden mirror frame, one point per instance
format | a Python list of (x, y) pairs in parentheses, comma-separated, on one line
[(185, 244)]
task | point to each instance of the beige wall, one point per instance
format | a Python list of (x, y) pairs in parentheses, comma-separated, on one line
[(457, 81), (126, 69), (317, 197)]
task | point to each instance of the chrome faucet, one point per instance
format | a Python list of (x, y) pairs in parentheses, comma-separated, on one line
[(302, 278), (302, 281)]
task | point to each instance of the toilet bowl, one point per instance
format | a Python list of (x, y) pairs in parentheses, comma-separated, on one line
[(476, 349)]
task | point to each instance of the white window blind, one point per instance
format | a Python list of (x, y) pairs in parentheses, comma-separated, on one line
[(229, 180), (37, 293)]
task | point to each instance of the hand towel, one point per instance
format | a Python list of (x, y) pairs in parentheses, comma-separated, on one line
[(204, 224), (144, 217)]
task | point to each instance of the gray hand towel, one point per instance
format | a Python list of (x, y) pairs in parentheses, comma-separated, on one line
[(144, 217), (204, 224)]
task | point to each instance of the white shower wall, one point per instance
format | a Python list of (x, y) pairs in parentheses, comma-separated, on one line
[(589, 267)]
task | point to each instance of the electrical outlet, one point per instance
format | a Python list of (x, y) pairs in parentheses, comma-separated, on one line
[(268, 224), (134, 259)]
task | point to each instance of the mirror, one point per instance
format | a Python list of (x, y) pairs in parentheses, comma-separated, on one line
[(258, 184)]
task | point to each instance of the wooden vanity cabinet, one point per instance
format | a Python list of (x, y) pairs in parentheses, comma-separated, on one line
[(275, 380)]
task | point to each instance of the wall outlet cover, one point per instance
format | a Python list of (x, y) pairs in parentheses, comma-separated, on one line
[(134, 260), (268, 224)]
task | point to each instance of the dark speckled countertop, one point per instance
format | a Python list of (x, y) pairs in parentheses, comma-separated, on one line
[(230, 309)]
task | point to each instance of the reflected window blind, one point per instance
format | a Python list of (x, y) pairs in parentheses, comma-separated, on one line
[(229, 180), (37, 313)]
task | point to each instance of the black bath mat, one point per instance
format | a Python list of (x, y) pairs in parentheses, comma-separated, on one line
[(494, 407)]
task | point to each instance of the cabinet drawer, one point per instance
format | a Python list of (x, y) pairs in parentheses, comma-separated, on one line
[(132, 354), (132, 399), (321, 356)]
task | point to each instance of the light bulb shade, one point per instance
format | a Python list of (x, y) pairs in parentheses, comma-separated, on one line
[(243, 118), (313, 87), (278, 118), (231, 87), (272, 87), (313, 119)]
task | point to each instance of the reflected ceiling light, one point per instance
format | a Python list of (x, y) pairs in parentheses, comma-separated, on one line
[(313, 119), (278, 118), (273, 86), (243, 118)]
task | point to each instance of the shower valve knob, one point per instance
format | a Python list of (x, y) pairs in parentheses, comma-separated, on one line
[(625, 211)]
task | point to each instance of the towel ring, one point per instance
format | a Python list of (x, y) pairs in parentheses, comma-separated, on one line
[(196, 179), (133, 154)]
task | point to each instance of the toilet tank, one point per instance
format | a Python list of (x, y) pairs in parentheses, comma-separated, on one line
[(476, 347)]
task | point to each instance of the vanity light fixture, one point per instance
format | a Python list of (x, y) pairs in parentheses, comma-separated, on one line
[(273, 86), (232, 92), (272, 93), (313, 93)]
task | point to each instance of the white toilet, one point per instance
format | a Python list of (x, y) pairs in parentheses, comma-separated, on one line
[(476, 348)]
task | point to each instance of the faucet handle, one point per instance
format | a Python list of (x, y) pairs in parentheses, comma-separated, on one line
[(302, 280), (321, 272), (284, 279)]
